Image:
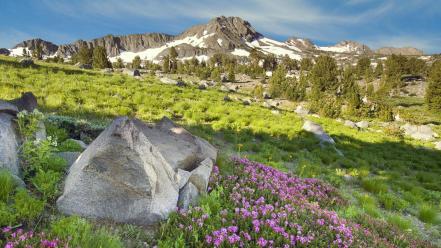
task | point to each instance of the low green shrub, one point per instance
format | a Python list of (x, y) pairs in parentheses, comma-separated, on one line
[(7, 215), (392, 202), (52, 130), (428, 214), (400, 222), (7, 185), (27, 207), (374, 185), (80, 233), (69, 146), (46, 182)]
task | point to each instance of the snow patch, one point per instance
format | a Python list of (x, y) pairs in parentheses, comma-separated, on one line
[(219, 41), (240, 52), (275, 47), (18, 52)]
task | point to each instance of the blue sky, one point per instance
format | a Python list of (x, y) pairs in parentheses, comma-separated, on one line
[(376, 23)]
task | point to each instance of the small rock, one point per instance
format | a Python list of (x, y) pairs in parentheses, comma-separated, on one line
[(201, 175), (132, 73), (182, 177), (41, 131), (70, 157), (438, 145), (362, 124), (85, 66), (188, 195), (318, 131), (227, 99), (300, 110), (181, 83), (266, 95), (350, 124), (423, 132), (202, 86), (107, 70), (246, 102)]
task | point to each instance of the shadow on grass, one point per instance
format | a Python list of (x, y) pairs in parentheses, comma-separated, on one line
[(51, 69)]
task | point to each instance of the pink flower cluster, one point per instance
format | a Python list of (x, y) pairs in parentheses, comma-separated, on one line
[(28, 239)]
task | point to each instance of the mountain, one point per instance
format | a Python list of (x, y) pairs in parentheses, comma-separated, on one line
[(409, 51), (352, 47), (222, 34)]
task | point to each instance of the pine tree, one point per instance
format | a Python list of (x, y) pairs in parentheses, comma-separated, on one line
[(215, 75), (166, 64), (136, 62), (289, 64), (231, 75), (24, 52), (119, 63), (258, 91), (306, 64), (363, 64), (37, 53), (277, 82), (379, 69), (173, 59), (84, 55), (433, 92), (99, 59), (324, 75)]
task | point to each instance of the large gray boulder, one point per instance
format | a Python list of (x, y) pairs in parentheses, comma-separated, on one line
[(134, 172), (8, 108), (26, 62), (188, 196), (9, 144), (423, 132), (318, 131), (300, 110), (362, 124), (70, 157)]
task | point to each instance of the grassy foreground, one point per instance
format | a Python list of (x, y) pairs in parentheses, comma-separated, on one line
[(382, 176)]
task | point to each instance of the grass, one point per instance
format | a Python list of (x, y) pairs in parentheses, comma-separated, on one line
[(401, 174)]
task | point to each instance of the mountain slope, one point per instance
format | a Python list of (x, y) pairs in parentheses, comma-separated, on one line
[(231, 35)]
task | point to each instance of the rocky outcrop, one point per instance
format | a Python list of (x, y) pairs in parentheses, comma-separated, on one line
[(48, 48), (4, 51), (423, 132), (136, 172), (301, 43), (409, 51), (318, 132)]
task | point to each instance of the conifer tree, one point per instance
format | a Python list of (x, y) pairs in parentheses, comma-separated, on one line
[(277, 82), (306, 64), (119, 63), (379, 69), (231, 75), (433, 92), (173, 59), (100, 60), (84, 55), (24, 52), (166, 64), (324, 75), (37, 53), (136, 62)]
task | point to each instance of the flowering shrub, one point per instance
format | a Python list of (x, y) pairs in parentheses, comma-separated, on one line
[(258, 206), (23, 239)]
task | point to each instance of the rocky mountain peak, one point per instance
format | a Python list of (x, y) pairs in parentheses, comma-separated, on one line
[(301, 43), (48, 48), (408, 51)]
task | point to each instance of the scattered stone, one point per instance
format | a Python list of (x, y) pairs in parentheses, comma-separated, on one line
[(246, 102), (107, 70), (318, 131), (188, 195), (131, 172), (202, 86), (85, 66), (397, 117), (227, 99), (8, 108), (27, 102), (26, 62), (167, 80), (300, 110), (70, 157), (423, 132), (9, 144), (362, 124), (350, 124), (275, 112), (132, 73), (266, 95), (438, 145), (224, 88), (181, 83), (266, 105), (201, 175)]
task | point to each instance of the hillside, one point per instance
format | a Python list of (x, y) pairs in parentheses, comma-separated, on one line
[(374, 187)]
